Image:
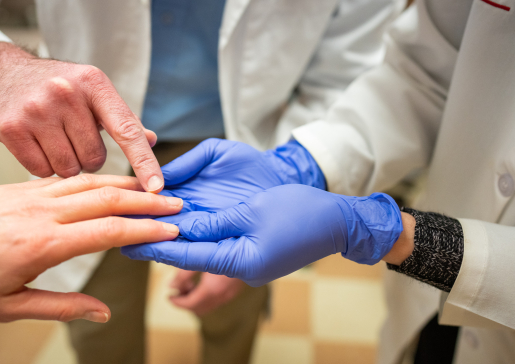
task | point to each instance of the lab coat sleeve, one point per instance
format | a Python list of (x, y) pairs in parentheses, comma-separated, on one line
[(385, 124), (351, 45), (483, 293)]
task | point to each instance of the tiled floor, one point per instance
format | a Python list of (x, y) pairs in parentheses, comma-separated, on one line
[(327, 313)]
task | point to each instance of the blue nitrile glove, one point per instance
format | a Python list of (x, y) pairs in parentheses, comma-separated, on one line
[(278, 231), (218, 174)]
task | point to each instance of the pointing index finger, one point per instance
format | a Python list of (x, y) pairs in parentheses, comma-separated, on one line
[(124, 127)]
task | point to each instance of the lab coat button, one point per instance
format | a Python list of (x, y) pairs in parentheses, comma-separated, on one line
[(471, 339), (506, 185)]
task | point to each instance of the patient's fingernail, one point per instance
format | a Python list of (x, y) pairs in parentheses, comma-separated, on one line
[(174, 201), (96, 316), (172, 229), (155, 184)]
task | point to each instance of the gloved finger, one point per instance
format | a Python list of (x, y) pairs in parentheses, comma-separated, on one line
[(187, 205), (217, 258), (183, 215), (46, 305), (184, 281), (112, 201), (213, 226), (86, 182), (180, 253), (190, 163)]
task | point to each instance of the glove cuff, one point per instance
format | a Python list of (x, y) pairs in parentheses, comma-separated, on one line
[(294, 164), (374, 224)]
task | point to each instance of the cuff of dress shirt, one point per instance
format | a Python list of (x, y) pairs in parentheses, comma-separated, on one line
[(455, 306)]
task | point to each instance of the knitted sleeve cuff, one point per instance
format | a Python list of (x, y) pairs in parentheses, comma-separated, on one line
[(438, 252)]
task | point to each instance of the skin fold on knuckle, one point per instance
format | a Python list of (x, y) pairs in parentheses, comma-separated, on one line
[(85, 181), (142, 161), (110, 198), (111, 231), (66, 314), (128, 130), (93, 77)]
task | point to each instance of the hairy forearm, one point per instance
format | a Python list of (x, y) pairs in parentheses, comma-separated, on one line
[(430, 249)]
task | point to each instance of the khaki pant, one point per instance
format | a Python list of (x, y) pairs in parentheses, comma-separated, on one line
[(227, 333)]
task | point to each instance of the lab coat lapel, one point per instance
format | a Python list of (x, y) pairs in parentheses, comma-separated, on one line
[(233, 12), (261, 57), (478, 127)]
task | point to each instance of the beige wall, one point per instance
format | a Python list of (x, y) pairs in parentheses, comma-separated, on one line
[(10, 170)]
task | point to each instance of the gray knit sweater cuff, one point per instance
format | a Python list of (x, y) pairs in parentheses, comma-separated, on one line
[(438, 252)]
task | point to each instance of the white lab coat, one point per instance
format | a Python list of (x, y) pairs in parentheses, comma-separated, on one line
[(444, 99), (269, 50)]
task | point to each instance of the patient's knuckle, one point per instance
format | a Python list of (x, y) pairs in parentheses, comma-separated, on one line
[(65, 314), (154, 228), (111, 229), (86, 181), (109, 196)]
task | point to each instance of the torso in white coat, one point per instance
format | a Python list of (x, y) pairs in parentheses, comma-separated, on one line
[(267, 49), (445, 100)]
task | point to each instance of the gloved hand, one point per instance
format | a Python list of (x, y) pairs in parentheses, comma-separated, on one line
[(278, 231), (219, 174)]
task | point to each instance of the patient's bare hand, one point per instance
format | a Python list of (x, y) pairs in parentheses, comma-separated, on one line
[(48, 221), (51, 113)]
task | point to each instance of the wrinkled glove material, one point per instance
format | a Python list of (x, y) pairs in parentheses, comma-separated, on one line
[(218, 174), (278, 231)]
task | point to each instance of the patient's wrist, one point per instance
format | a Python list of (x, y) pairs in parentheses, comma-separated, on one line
[(404, 246)]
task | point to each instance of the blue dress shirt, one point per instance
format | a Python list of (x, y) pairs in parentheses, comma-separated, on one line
[(183, 101)]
